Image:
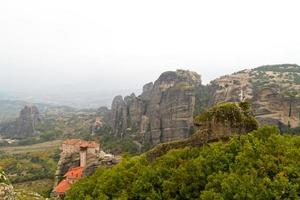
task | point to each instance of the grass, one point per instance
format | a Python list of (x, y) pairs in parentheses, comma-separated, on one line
[(27, 195), (42, 187), (32, 148)]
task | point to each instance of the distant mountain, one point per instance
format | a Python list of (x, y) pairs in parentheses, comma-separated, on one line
[(76, 96), (24, 126), (21, 120), (9, 109)]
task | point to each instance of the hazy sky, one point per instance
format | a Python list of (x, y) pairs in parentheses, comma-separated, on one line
[(109, 44)]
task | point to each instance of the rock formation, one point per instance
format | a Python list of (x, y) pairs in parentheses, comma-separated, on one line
[(273, 91), (163, 112), (225, 119), (217, 123), (24, 126), (6, 189), (165, 109)]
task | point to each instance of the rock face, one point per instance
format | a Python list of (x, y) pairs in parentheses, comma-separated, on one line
[(24, 125), (217, 123), (273, 91), (165, 109), (225, 119), (6, 189), (163, 112), (66, 162)]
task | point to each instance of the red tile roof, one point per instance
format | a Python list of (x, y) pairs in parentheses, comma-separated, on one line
[(62, 187), (83, 143), (75, 173)]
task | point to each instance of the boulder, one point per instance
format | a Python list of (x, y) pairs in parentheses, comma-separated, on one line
[(6, 189)]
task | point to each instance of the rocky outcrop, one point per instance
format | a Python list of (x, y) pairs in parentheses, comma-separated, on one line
[(165, 109), (225, 119), (66, 162), (273, 91), (163, 112), (217, 123), (102, 160), (6, 189), (24, 126)]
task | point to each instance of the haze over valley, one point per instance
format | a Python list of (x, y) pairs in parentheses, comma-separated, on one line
[(151, 100)]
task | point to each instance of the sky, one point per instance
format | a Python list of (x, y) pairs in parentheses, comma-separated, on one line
[(60, 48)]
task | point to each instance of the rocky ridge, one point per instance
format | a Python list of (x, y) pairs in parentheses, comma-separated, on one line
[(163, 112), (165, 109), (273, 91)]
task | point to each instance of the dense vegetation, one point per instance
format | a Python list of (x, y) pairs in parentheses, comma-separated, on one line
[(260, 165), (69, 126), (29, 169), (37, 190)]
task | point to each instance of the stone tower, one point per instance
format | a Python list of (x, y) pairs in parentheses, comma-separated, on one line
[(83, 154)]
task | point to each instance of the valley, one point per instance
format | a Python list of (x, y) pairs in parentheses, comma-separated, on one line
[(31, 168), (149, 100), (172, 126), (45, 146)]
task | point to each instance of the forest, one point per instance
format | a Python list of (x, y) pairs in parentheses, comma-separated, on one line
[(263, 164)]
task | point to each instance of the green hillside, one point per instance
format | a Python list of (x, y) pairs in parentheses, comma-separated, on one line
[(260, 165)]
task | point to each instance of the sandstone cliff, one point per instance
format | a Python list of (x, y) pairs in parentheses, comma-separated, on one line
[(24, 126), (165, 109), (163, 112), (273, 91), (217, 123)]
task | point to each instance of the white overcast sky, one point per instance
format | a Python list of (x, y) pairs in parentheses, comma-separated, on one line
[(109, 44)]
